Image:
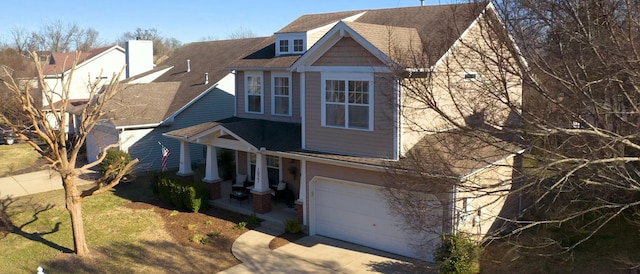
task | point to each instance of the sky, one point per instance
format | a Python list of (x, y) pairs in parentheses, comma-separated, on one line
[(187, 21)]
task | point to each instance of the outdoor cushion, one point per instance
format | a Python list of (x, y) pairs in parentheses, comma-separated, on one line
[(282, 185)]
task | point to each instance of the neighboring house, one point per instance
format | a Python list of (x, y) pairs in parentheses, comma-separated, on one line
[(93, 69), (192, 86), (318, 108)]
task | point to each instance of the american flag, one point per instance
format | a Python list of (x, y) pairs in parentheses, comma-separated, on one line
[(165, 157)]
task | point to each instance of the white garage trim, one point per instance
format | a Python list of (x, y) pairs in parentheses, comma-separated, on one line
[(358, 213)]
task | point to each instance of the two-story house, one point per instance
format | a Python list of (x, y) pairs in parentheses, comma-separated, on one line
[(319, 108)]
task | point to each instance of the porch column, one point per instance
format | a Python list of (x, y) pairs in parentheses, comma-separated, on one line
[(185, 160), (301, 204), (211, 174), (261, 191), (211, 168)]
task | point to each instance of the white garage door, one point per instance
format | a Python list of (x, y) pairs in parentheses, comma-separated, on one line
[(358, 213)]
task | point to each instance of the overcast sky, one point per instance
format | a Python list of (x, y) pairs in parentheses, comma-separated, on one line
[(187, 21)]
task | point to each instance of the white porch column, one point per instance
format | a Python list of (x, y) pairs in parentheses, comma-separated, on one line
[(185, 160), (302, 196), (262, 175), (211, 168)]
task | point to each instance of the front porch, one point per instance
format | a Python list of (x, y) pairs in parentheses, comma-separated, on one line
[(279, 210)]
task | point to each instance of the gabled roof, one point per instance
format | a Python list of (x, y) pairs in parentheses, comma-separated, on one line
[(438, 27), (141, 104), (176, 88), (312, 21), (61, 62), (206, 57)]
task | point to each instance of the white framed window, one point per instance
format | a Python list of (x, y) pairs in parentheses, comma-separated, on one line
[(298, 45), (273, 168), (290, 43), (254, 100), (281, 94), (284, 46), (347, 100)]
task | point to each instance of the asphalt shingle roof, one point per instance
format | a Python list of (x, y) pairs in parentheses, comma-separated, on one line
[(438, 27)]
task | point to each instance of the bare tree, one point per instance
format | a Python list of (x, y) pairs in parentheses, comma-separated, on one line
[(55, 36), (62, 154), (162, 46), (578, 117), (241, 33)]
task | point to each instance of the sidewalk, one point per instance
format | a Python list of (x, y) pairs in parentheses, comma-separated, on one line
[(34, 182)]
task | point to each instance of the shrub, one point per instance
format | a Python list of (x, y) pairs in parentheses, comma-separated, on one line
[(199, 239), (253, 220), (112, 157), (214, 234), (183, 194), (292, 226), (458, 254), (241, 225)]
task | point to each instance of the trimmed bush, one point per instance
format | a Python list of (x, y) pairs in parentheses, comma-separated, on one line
[(458, 254), (183, 195), (113, 156), (292, 226)]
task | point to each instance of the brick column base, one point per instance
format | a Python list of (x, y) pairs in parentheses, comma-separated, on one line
[(215, 189), (261, 202), (300, 211)]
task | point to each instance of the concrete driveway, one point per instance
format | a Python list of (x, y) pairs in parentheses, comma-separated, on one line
[(316, 254)]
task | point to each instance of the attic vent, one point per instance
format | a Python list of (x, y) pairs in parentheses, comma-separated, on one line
[(206, 78), (188, 65), (471, 76)]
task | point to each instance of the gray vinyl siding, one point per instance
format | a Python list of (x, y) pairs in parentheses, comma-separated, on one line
[(267, 92), (216, 105), (376, 143)]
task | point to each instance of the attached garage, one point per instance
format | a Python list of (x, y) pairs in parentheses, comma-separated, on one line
[(358, 213)]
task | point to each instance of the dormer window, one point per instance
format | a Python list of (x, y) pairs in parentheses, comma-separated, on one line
[(284, 46), (290, 43), (298, 45)]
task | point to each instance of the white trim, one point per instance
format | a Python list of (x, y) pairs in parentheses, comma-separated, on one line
[(397, 123), (333, 36), (140, 126), (246, 93), (273, 93), (342, 69), (369, 77), (290, 37)]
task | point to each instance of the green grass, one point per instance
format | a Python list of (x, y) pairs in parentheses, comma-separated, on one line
[(45, 230), (16, 157)]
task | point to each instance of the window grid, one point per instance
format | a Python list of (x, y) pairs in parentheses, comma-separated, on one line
[(254, 94), (298, 45), (351, 113), (281, 95), (284, 45)]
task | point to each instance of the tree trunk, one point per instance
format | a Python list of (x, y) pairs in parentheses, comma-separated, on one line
[(74, 206)]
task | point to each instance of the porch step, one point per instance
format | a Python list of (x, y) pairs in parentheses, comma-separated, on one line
[(271, 227)]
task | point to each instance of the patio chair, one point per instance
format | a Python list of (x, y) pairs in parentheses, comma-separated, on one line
[(240, 183)]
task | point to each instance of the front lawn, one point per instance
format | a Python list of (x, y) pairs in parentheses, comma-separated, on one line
[(128, 231), (16, 157)]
